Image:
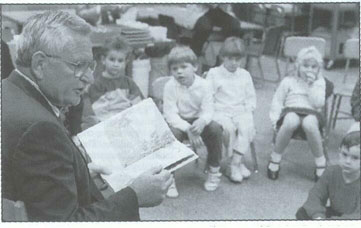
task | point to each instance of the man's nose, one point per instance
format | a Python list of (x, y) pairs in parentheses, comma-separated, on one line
[(88, 77)]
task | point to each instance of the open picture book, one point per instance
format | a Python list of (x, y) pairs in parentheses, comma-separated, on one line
[(131, 142)]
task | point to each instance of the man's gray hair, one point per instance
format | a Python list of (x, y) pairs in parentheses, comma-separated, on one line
[(49, 32)]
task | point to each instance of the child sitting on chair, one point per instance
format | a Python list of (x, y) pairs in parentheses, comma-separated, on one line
[(297, 103), (112, 91), (188, 109), (340, 184), (234, 102)]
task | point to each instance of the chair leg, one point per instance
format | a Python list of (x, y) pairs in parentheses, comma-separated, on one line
[(260, 67), (254, 157), (338, 104), (278, 70), (346, 70), (330, 120)]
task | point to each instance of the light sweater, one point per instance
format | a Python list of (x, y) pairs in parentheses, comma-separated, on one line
[(182, 103), (233, 92), (344, 197), (294, 92)]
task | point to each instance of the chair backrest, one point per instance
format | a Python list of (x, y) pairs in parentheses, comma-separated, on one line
[(272, 40), (329, 88), (13, 211), (158, 89), (352, 49), (294, 44)]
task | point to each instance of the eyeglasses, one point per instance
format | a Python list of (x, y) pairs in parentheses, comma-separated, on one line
[(79, 68)]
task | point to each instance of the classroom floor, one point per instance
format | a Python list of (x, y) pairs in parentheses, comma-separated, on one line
[(258, 197)]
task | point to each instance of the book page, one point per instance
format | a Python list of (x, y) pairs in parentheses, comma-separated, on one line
[(132, 142)]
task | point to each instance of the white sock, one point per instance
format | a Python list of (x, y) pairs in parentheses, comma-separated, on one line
[(275, 157), (214, 169)]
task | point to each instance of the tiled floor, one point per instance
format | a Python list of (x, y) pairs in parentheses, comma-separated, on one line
[(258, 197)]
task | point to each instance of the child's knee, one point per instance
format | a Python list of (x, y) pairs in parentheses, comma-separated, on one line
[(310, 124), (215, 129), (291, 121)]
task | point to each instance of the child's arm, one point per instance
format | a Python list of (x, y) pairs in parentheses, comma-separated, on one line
[(317, 93), (315, 205), (170, 108), (207, 109), (135, 95), (211, 81), (278, 101), (96, 90), (251, 99)]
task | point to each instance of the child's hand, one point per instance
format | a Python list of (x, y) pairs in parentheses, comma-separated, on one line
[(197, 126), (310, 78), (194, 139)]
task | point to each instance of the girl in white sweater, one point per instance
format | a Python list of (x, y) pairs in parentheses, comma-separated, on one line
[(297, 103), (234, 102)]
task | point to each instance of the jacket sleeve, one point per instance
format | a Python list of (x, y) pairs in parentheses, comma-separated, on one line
[(207, 108), (170, 108), (251, 99), (355, 101), (315, 205), (317, 93), (46, 173)]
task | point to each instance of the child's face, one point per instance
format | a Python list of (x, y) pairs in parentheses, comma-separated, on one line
[(183, 73), (308, 70), (114, 63), (231, 63), (350, 159)]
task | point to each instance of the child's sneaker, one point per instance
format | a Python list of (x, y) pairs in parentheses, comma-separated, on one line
[(245, 172), (213, 179), (234, 173), (172, 190)]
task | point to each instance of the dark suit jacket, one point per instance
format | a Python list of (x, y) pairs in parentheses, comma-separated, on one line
[(42, 167)]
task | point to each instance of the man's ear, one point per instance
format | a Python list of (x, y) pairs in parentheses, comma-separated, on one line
[(37, 64)]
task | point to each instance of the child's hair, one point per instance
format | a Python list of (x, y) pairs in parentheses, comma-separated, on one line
[(181, 54), (233, 47), (309, 53), (117, 43), (351, 139)]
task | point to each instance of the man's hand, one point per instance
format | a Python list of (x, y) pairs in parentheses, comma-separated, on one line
[(95, 170), (197, 126), (194, 139), (152, 186)]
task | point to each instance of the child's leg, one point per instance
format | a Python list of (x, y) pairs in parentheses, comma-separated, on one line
[(290, 123), (245, 135), (310, 126), (229, 131), (212, 138)]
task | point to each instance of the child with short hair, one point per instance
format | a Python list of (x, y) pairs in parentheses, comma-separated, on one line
[(234, 102), (112, 91), (188, 109), (298, 102), (339, 183)]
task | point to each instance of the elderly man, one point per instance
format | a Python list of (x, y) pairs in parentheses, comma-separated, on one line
[(41, 165)]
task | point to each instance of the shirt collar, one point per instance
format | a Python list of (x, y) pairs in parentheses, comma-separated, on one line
[(53, 107)]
